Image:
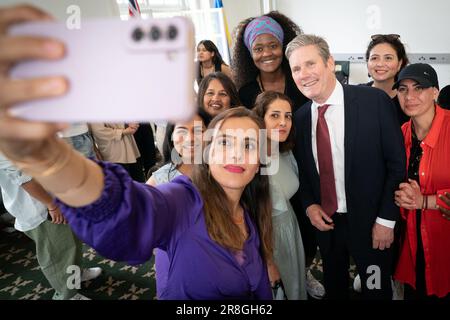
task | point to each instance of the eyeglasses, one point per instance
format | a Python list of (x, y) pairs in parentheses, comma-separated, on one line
[(391, 36)]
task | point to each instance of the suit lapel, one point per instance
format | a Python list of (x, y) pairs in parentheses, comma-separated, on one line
[(351, 118)]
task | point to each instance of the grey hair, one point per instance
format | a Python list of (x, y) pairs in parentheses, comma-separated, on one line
[(304, 40)]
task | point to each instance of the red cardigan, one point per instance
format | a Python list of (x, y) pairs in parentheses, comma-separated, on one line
[(434, 172)]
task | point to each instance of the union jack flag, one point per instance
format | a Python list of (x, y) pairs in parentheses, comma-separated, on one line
[(133, 8)]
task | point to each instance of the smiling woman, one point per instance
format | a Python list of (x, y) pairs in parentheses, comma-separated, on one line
[(217, 93), (210, 256), (233, 163), (258, 62), (386, 57)]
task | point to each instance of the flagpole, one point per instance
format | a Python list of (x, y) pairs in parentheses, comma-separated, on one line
[(224, 26)]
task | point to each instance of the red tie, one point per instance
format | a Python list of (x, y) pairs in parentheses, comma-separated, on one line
[(327, 183)]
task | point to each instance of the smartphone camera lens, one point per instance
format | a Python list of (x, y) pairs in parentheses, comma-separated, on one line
[(172, 32), (155, 33), (137, 34)]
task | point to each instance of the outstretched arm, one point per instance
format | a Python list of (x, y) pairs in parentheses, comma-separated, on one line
[(122, 219), (33, 146), (130, 218)]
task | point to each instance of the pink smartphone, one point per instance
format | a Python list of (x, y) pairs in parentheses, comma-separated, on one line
[(118, 71)]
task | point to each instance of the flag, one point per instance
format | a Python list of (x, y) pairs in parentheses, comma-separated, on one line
[(219, 5), (133, 8)]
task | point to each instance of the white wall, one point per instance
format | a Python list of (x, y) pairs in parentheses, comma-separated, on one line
[(88, 8), (348, 24), (238, 10)]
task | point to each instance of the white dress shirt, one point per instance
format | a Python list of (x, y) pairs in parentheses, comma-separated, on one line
[(335, 118)]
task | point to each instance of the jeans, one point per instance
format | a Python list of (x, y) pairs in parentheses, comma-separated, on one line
[(82, 143)]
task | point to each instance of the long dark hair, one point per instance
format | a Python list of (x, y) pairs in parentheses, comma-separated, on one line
[(227, 84), (244, 69), (255, 199), (262, 104), (216, 59), (168, 145)]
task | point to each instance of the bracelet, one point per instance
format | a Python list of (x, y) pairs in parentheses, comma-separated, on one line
[(51, 210)]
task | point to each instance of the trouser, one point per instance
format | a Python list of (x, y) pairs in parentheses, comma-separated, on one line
[(57, 248), (420, 293), (135, 170), (146, 145), (373, 265)]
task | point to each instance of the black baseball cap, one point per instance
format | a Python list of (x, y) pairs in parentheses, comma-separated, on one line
[(423, 73)]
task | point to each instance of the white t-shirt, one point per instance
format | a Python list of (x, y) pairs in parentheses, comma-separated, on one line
[(75, 129), (28, 211)]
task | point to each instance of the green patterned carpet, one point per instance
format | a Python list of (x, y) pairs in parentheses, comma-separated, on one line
[(21, 278)]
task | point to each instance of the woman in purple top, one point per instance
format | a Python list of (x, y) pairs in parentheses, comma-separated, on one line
[(181, 143), (216, 229)]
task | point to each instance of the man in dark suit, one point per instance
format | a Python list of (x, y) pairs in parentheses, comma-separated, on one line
[(351, 158)]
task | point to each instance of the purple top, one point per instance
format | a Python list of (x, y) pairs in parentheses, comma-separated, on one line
[(130, 219)]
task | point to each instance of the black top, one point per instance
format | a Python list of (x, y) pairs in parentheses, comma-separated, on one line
[(198, 72), (415, 156), (251, 90), (402, 117)]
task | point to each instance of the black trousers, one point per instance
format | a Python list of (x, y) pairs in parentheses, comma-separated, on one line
[(146, 145), (373, 265), (135, 171), (420, 293)]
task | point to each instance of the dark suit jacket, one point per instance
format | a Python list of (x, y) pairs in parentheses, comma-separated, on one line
[(374, 158), (249, 92)]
